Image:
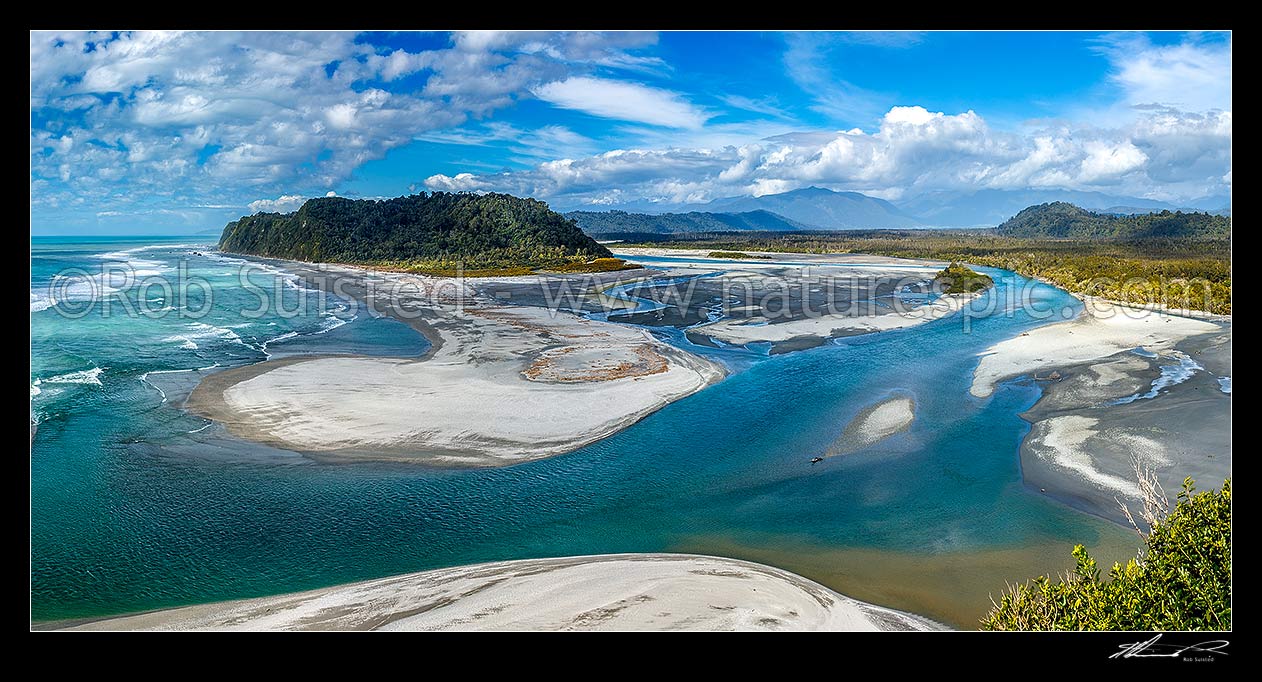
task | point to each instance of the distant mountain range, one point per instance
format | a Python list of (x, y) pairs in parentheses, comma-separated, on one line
[(621, 222), (1059, 220), (823, 209)]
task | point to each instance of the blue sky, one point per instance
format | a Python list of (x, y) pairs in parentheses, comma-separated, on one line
[(176, 132)]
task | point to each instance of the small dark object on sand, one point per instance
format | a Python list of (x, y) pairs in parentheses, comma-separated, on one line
[(816, 460)]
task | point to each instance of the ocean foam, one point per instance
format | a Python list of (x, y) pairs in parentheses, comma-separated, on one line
[(276, 339), (87, 376), (330, 322), (39, 303), (144, 378), (185, 342)]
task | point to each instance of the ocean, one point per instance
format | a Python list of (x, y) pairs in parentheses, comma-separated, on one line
[(137, 505)]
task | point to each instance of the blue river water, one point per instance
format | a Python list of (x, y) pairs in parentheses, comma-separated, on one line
[(138, 505)]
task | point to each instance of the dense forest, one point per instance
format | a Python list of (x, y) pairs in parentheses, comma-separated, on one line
[(438, 232), (621, 222), (1180, 273), (1059, 220)]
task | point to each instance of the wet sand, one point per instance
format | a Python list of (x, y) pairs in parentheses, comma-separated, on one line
[(1082, 448), (658, 592), (951, 586), (1108, 404)]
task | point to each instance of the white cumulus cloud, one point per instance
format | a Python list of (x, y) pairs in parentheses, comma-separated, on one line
[(219, 118), (1165, 155), (281, 204)]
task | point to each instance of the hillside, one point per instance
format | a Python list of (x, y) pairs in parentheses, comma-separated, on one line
[(989, 207), (621, 222), (434, 231), (821, 209), (1060, 220)]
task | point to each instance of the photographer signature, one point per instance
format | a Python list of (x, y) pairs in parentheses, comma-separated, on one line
[(1152, 649)]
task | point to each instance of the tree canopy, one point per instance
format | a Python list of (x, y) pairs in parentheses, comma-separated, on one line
[(1061, 220), (440, 229)]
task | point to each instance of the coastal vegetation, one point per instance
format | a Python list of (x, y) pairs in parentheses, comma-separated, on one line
[(597, 265), (439, 233), (960, 279), (1181, 579)]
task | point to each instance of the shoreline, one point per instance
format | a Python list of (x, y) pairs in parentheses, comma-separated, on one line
[(1121, 386), (499, 385), (818, 317), (660, 591)]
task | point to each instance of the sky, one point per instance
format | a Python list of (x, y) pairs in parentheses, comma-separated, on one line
[(168, 132)]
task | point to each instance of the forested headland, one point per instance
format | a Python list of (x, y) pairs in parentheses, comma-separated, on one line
[(437, 233)]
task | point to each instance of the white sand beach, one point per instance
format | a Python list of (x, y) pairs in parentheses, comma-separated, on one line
[(506, 385), (1102, 330), (659, 592)]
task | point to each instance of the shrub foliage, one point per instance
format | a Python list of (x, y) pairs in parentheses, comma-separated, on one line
[(1181, 579)]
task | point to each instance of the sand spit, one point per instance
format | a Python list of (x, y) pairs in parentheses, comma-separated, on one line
[(1102, 330), (504, 384), (661, 592)]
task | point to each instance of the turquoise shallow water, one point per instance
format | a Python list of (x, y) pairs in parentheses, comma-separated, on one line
[(137, 505)]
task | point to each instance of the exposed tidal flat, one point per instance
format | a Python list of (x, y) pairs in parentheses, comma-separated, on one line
[(930, 518)]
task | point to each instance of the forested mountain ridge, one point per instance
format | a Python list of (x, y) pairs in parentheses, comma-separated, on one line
[(622, 222), (1060, 220), (437, 230)]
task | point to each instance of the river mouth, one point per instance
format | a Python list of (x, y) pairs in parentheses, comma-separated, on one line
[(137, 511)]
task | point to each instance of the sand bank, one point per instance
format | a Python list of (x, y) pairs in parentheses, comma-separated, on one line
[(503, 384), (740, 331), (1131, 385), (610, 592), (1102, 330), (875, 423)]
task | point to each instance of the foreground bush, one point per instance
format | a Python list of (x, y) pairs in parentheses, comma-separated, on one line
[(1181, 580)]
